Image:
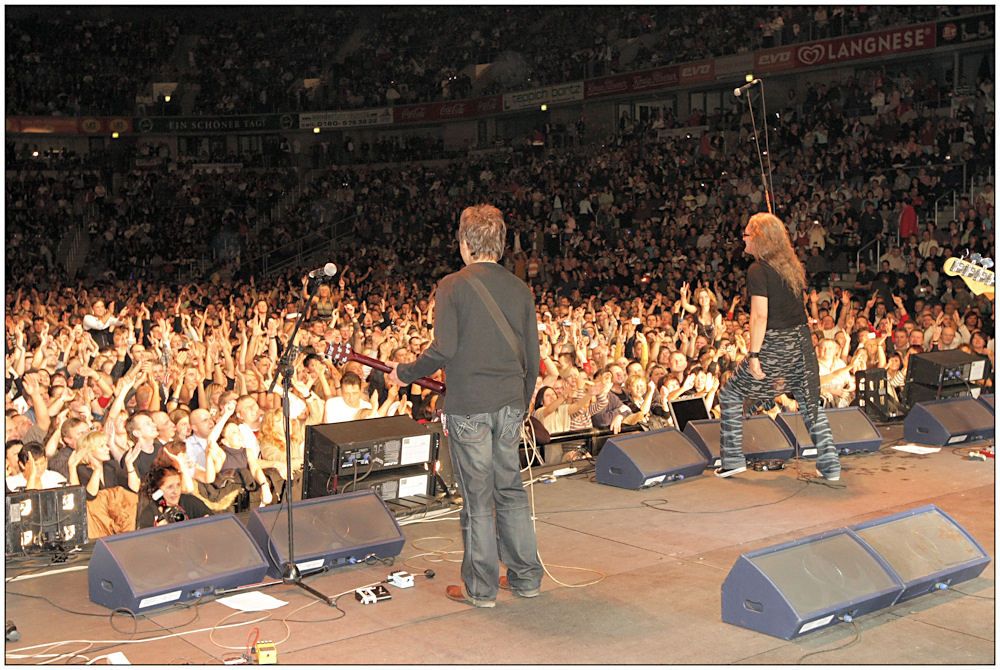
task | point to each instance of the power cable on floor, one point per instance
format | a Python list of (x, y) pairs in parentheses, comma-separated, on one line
[(853, 642)]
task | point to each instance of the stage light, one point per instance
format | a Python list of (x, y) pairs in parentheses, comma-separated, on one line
[(749, 77), (316, 130), (114, 135), (545, 108), (36, 517), (166, 98)]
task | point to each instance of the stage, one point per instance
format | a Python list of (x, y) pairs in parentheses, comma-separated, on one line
[(658, 556)]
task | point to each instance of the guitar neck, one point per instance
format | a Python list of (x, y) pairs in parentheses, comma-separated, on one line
[(980, 280), (376, 364)]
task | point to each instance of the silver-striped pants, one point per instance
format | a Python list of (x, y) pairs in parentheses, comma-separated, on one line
[(789, 363)]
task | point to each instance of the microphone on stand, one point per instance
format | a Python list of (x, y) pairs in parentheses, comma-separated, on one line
[(739, 91), (327, 270)]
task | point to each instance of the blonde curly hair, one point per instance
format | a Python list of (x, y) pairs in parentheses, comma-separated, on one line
[(775, 248)]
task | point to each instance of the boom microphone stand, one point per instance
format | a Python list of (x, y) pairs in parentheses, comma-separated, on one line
[(289, 571)]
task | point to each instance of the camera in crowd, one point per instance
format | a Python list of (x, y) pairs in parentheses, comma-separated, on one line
[(171, 513), (168, 513)]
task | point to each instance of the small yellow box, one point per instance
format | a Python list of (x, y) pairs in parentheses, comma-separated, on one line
[(265, 653)]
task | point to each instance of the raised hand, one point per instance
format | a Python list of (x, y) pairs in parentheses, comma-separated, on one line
[(130, 457), (75, 459)]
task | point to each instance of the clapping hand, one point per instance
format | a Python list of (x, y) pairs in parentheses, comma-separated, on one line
[(75, 459)]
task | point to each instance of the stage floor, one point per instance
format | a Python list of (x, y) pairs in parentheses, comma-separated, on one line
[(658, 557)]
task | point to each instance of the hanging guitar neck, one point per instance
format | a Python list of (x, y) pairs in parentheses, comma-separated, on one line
[(342, 353), (975, 271)]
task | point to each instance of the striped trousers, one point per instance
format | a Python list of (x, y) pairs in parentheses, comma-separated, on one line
[(789, 363)]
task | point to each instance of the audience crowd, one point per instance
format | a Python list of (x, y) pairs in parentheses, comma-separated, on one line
[(304, 59), (145, 389)]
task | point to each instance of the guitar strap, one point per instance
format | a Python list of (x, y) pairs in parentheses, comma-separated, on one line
[(498, 317)]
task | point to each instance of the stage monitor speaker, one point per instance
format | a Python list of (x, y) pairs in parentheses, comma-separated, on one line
[(807, 584), (852, 431), (164, 565), (40, 518), (914, 393), (926, 549), (638, 460), (950, 421), (763, 440), (329, 532), (946, 368), (989, 400)]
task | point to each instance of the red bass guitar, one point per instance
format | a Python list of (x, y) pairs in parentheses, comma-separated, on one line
[(342, 353)]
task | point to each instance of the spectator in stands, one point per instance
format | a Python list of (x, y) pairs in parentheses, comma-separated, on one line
[(34, 470), (164, 502), (350, 404), (111, 505)]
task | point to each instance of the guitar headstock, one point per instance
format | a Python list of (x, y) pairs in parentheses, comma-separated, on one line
[(974, 271), (339, 352)]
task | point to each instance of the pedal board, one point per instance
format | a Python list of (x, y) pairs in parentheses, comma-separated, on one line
[(372, 594)]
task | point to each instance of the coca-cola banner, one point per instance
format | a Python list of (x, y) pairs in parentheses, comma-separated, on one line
[(542, 96), (842, 49), (442, 111), (381, 116)]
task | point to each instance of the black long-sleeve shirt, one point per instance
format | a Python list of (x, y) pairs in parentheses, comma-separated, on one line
[(483, 373)]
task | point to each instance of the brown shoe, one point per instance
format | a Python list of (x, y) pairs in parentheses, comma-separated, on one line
[(458, 594), (504, 584)]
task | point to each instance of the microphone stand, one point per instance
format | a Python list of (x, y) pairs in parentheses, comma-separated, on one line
[(286, 366)]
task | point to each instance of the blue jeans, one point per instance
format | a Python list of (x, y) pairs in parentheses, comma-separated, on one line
[(487, 469)]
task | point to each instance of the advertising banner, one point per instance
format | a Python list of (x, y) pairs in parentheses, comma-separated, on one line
[(43, 124), (543, 96), (441, 111), (637, 82), (347, 119), (843, 49), (215, 124)]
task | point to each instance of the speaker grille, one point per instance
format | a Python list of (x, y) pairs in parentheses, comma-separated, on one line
[(189, 553), (824, 573), (921, 545), (958, 417), (331, 525), (659, 451)]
